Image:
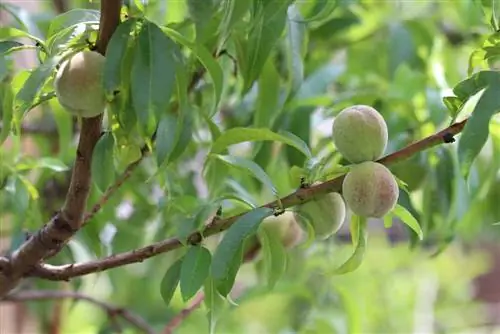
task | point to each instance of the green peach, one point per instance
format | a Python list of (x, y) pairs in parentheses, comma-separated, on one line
[(78, 84), (360, 133), (370, 190), (326, 213)]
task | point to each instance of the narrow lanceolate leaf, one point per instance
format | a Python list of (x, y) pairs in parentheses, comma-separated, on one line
[(262, 38), (7, 46), (240, 135), (295, 49), (408, 219), (275, 259), (8, 33), (153, 73), (250, 167), (356, 258), (103, 172), (268, 96), (71, 18), (170, 281), (34, 84), (323, 9), (213, 302), (225, 285), (46, 162), (115, 53), (6, 110), (233, 10), (475, 133), (194, 270), (166, 136), (233, 240)]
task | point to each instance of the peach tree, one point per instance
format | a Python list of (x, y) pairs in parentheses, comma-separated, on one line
[(211, 152)]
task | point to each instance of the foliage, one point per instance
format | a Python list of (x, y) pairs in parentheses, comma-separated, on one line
[(234, 100)]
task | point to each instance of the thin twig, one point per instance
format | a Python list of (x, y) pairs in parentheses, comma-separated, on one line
[(198, 300), (184, 313), (112, 311), (300, 196)]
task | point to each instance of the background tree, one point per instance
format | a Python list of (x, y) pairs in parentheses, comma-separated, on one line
[(152, 217)]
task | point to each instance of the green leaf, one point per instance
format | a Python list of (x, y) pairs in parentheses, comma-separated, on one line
[(200, 12), (103, 173), (354, 227), (268, 96), (166, 137), (153, 74), (115, 54), (356, 258), (295, 49), (475, 83), (214, 303), (323, 9), (19, 194), (475, 132), (233, 240), (6, 101), (234, 11), (53, 164), (225, 285), (204, 214), (408, 219), (251, 167), (184, 137), (401, 47), (239, 134), (45, 162), (195, 269), (275, 259), (7, 33), (72, 18), (34, 84), (262, 39), (170, 281), (453, 104), (387, 221), (7, 46), (208, 61)]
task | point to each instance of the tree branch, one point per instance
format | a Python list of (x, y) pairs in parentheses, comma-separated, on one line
[(183, 314), (302, 195), (112, 311), (67, 222)]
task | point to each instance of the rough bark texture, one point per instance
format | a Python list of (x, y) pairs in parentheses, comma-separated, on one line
[(67, 222)]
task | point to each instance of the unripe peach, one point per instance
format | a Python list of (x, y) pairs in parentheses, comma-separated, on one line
[(360, 133), (285, 227), (370, 190), (78, 84), (326, 213)]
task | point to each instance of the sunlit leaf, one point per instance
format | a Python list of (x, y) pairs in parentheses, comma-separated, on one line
[(408, 219), (239, 135), (356, 258)]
